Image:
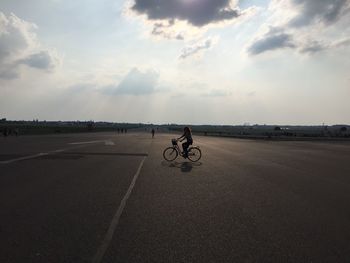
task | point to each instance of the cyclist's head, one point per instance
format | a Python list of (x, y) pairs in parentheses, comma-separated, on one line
[(187, 129)]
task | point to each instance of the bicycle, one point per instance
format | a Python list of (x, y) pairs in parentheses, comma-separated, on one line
[(171, 153)]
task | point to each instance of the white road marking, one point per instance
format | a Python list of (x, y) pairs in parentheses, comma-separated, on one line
[(80, 144), (38, 155), (24, 158), (59, 151), (109, 143), (89, 142), (109, 235)]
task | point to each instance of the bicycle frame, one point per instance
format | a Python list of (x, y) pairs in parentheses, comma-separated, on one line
[(177, 148)]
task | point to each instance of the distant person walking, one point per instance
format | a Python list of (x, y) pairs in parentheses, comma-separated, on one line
[(189, 141), (153, 133)]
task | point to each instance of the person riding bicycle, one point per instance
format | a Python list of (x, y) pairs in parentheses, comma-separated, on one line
[(188, 136)]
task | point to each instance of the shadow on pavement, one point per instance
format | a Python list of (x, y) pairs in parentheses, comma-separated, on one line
[(184, 166)]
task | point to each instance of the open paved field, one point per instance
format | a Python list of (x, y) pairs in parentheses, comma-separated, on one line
[(112, 198)]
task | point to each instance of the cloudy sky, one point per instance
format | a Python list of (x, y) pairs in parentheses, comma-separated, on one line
[(176, 61)]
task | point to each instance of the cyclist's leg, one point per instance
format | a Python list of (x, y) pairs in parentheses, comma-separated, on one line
[(185, 147)]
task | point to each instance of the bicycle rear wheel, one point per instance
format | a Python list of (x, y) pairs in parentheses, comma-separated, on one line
[(170, 154), (194, 154)]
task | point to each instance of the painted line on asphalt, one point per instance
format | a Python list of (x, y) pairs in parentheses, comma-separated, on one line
[(34, 156), (79, 144), (108, 154), (89, 142), (24, 158), (112, 227), (109, 143)]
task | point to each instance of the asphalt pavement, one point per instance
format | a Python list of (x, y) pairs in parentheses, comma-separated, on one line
[(108, 197)]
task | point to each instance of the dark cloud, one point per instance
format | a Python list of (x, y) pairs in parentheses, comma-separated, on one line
[(42, 60), (196, 48), (196, 12), (274, 39), (325, 11), (136, 83)]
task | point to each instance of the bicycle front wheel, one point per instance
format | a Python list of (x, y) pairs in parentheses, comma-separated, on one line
[(170, 154), (194, 154)]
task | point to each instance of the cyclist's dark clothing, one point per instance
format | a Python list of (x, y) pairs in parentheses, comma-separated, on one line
[(185, 145)]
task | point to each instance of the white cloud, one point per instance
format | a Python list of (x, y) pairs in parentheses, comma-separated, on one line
[(136, 83), (198, 47), (311, 11), (315, 46), (8, 72), (302, 25), (164, 29), (19, 45), (216, 93)]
